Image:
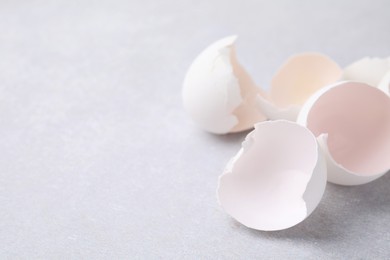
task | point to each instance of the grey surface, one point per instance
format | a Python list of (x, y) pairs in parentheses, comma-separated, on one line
[(98, 159)]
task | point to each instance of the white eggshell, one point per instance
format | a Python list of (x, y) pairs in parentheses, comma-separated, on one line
[(218, 93), (384, 85), (352, 123), (273, 112), (277, 178), (367, 70)]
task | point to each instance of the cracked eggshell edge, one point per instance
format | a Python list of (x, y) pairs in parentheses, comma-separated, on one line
[(272, 112)]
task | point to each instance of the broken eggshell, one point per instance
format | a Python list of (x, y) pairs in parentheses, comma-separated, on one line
[(218, 93), (367, 70), (277, 178), (384, 85), (352, 123), (295, 81)]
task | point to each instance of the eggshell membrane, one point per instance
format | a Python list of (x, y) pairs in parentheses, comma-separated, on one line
[(352, 121), (367, 70), (302, 75), (218, 93), (277, 178)]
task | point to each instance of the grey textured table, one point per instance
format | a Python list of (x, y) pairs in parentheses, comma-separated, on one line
[(98, 159)]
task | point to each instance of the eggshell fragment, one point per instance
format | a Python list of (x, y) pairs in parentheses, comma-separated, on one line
[(295, 81), (277, 178), (367, 70), (273, 112), (384, 85), (352, 123), (218, 93)]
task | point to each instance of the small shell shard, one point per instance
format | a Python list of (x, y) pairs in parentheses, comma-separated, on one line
[(273, 112)]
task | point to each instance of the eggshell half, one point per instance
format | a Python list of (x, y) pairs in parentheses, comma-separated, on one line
[(367, 70), (295, 81), (352, 123), (277, 178), (218, 93)]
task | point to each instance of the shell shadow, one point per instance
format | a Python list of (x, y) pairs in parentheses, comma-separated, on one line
[(231, 138)]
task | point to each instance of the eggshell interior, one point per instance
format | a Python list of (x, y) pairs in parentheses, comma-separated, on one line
[(264, 185), (356, 118), (301, 76), (246, 113)]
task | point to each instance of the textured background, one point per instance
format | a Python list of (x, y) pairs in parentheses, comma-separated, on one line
[(98, 159)]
